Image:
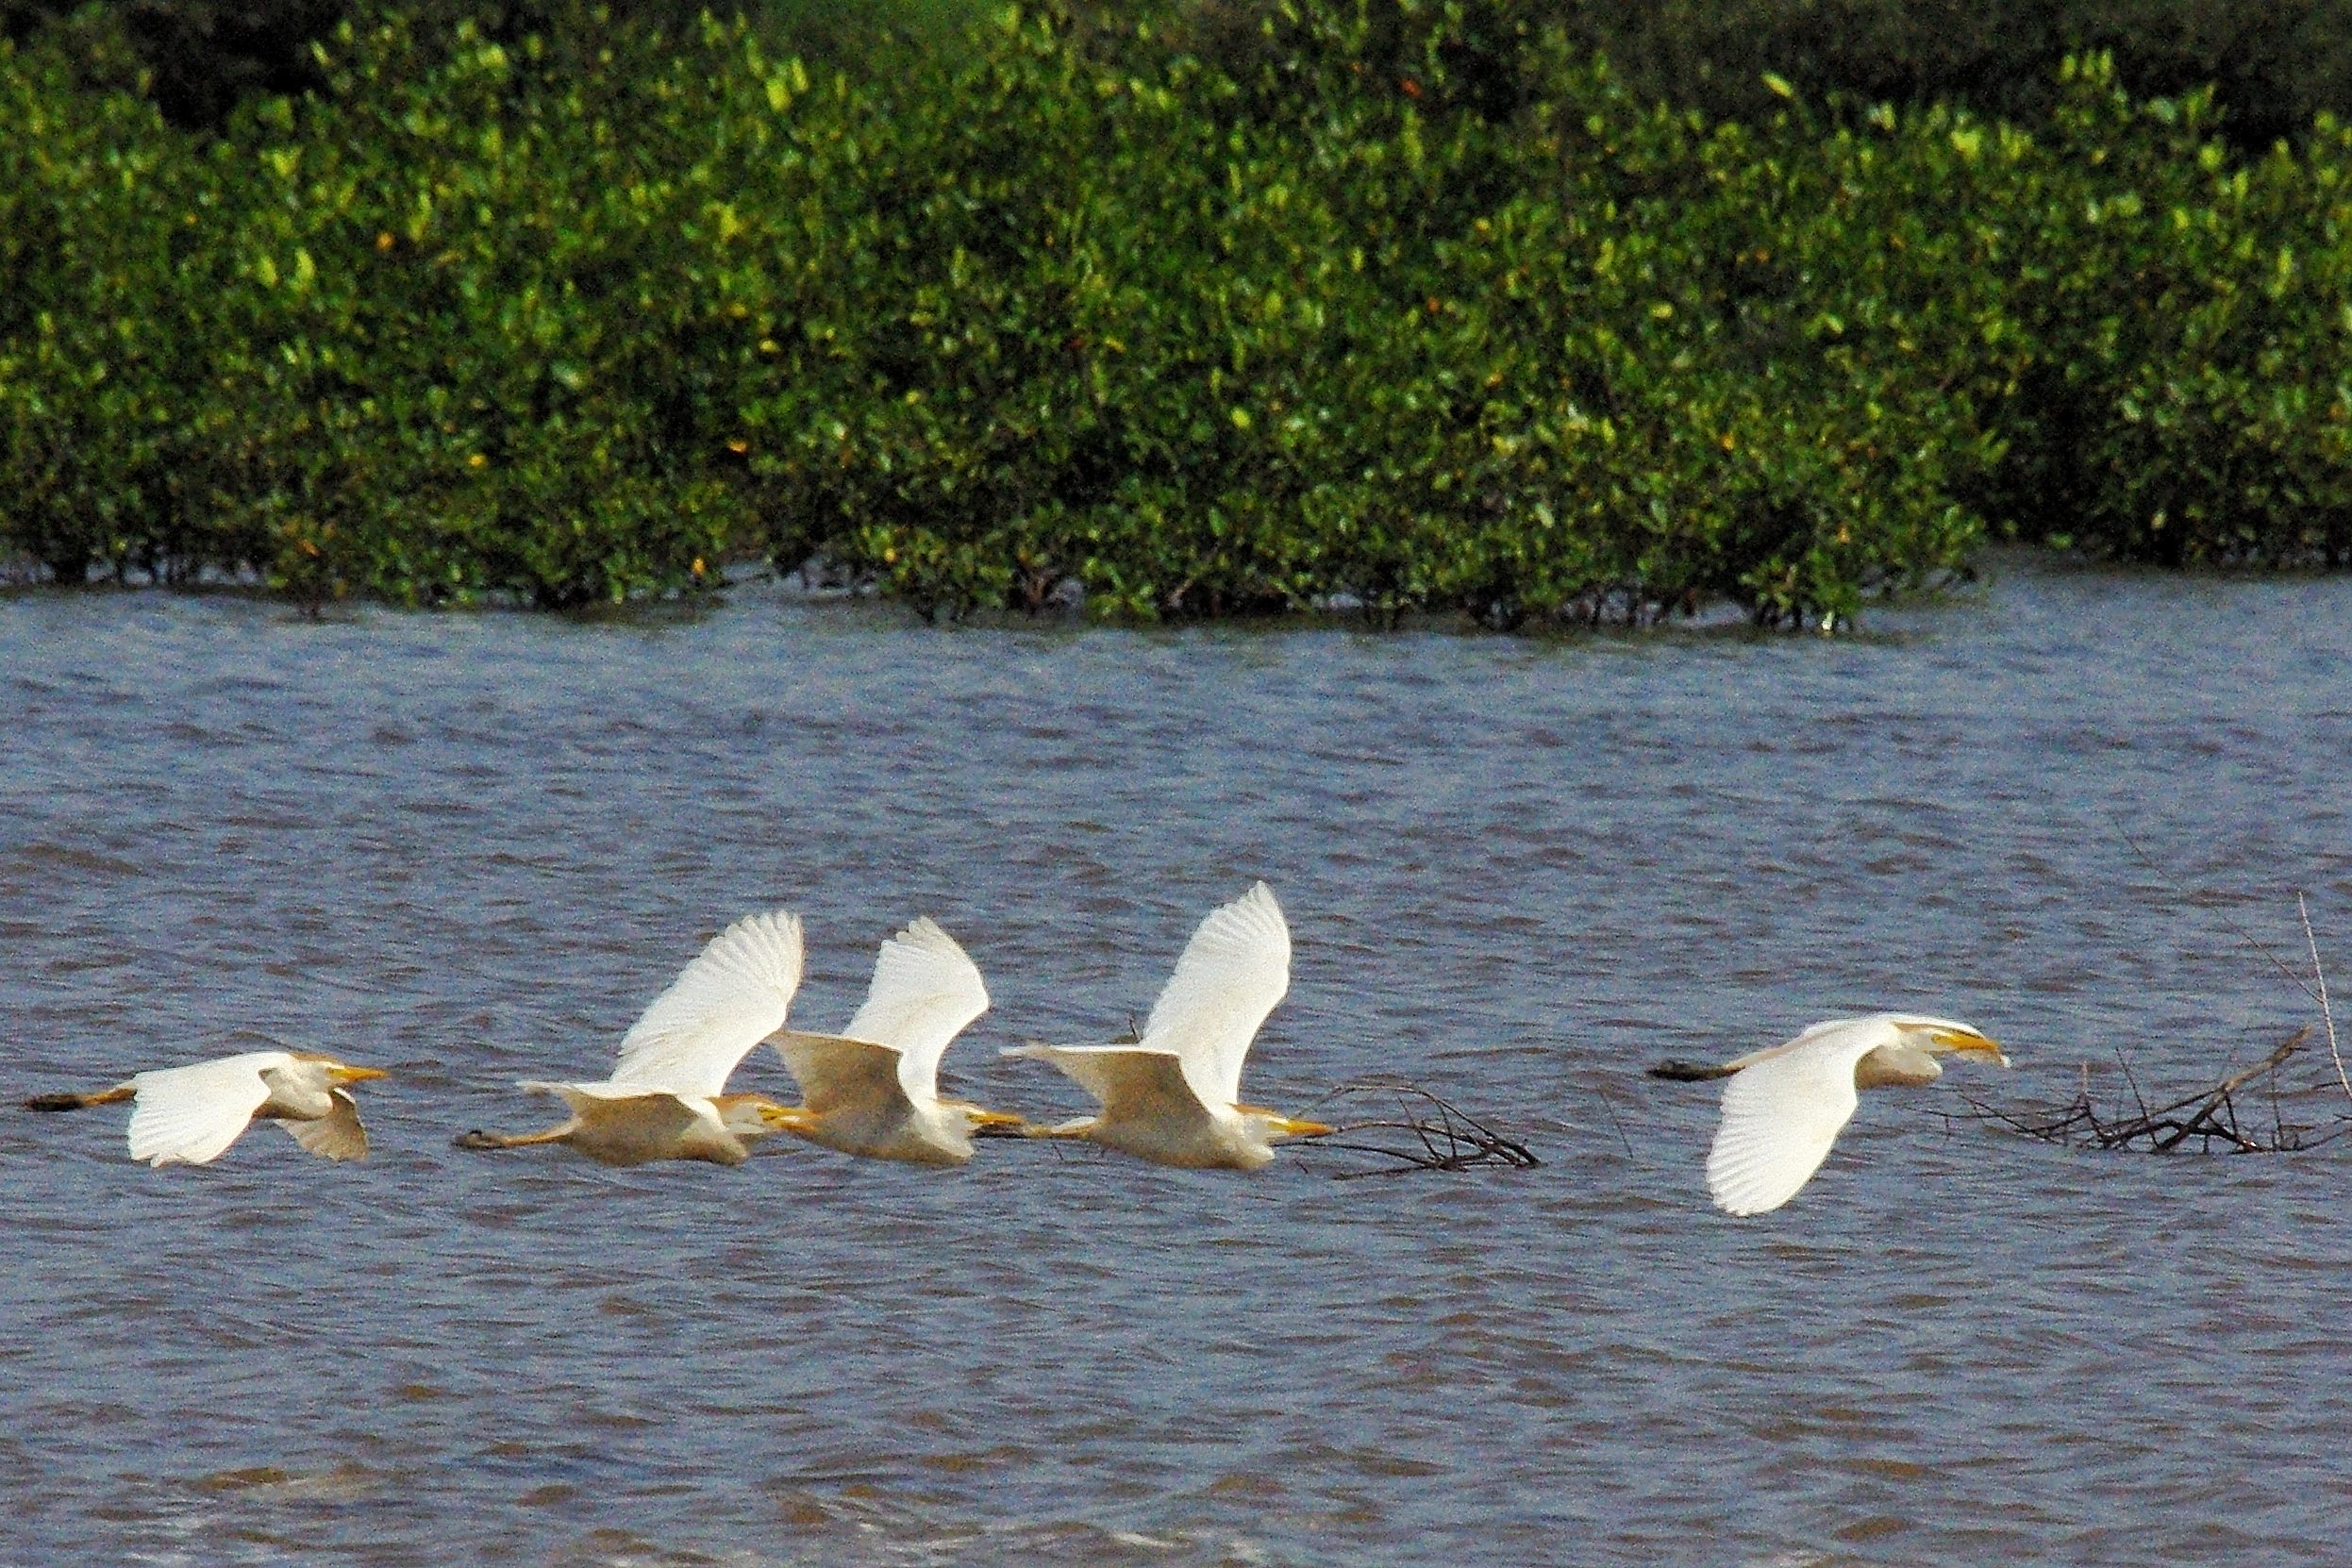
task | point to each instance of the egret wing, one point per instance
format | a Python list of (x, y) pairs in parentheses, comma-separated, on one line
[(622, 1123), (1782, 1111), (732, 996), (925, 990), (839, 1074), (1133, 1082), (188, 1116), (337, 1135), (651, 1112), (1233, 973), (588, 1099)]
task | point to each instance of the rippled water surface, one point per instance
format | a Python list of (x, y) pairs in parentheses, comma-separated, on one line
[(469, 848)]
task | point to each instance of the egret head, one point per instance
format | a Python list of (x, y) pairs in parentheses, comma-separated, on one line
[(1935, 1035)]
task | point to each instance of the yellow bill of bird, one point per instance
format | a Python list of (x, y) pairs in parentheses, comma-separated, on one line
[(667, 1096), (873, 1089), (1785, 1105), (191, 1115), (1174, 1096)]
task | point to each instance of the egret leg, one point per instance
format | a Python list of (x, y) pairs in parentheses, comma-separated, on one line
[(71, 1101), (480, 1139), (1690, 1072)]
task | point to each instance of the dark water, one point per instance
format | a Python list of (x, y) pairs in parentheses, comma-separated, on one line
[(469, 848)]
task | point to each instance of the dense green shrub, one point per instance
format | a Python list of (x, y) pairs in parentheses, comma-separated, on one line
[(99, 373), (1408, 306), (479, 334), (2187, 402), (1199, 357)]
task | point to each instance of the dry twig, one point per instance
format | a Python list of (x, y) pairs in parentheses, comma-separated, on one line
[(1424, 1132), (2209, 1116), (2327, 1013)]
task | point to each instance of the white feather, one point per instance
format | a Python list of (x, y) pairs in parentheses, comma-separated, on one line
[(839, 1076), (338, 1135), (1233, 973), (627, 1124), (734, 994), (1784, 1106), (190, 1115), (925, 991), (1132, 1083)]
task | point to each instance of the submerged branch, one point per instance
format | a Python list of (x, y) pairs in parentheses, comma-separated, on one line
[(1424, 1131), (2209, 1116)]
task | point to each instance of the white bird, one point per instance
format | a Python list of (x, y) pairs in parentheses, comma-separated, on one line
[(667, 1097), (1785, 1104), (873, 1087), (1173, 1097), (191, 1115)]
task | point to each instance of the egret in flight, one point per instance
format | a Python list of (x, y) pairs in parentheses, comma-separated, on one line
[(873, 1087), (191, 1115), (1173, 1097), (1785, 1104), (667, 1097)]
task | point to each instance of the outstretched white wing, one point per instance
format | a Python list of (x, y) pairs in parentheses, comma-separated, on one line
[(839, 1074), (1134, 1083), (1233, 972), (925, 990), (1783, 1110), (188, 1116), (731, 998)]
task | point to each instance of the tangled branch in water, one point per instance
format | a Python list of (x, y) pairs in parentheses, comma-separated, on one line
[(1424, 1132), (2209, 1116)]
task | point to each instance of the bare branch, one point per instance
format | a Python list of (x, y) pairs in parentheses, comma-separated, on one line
[(2210, 1115), (1437, 1135)]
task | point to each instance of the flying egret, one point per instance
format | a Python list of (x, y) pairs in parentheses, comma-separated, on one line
[(1172, 1097), (1785, 1104), (666, 1098), (873, 1087), (190, 1115)]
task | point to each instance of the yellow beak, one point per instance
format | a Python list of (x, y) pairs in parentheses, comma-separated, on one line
[(356, 1074), (791, 1118), (1290, 1127), (1970, 1042), (994, 1118)]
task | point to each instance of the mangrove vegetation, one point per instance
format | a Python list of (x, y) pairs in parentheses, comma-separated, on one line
[(1395, 305)]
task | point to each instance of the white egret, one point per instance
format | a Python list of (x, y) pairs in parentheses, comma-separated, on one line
[(1785, 1105), (191, 1115), (1173, 1097), (666, 1098), (873, 1087)]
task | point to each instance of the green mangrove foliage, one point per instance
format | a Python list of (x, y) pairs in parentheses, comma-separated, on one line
[(1410, 306)]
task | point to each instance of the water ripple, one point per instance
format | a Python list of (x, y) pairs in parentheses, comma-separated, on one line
[(470, 849)]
